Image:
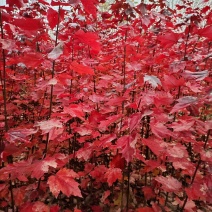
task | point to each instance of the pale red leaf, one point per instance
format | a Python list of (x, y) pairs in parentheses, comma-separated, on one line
[(153, 80), (177, 151), (8, 44), (169, 184), (184, 164), (19, 134), (196, 75), (182, 125), (47, 126), (183, 102), (64, 181), (56, 52)]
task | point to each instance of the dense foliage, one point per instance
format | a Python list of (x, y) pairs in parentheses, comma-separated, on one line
[(105, 107)]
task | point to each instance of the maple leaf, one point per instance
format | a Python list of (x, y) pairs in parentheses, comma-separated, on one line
[(18, 3), (169, 184), (169, 39), (117, 162), (112, 175), (197, 75), (145, 209), (115, 101), (158, 147), (206, 32), (153, 80), (177, 151), (160, 130), (52, 17), (184, 164), (28, 24), (148, 192), (8, 44), (19, 194), (20, 170), (99, 173), (105, 140), (111, 119), (42, 166), (171, 82), (47, 126), (90, 7), (74, 110), (183, 102), (56, 52), (40, 206), (19, 134), (30, 59), (81, 69), (127, 145), (182, 125), (64, 181), (85, 152), (90, 39)]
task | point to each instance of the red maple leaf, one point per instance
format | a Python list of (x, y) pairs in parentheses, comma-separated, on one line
[(127, 145), (90, 7), (169, 39), (18, 3), (64, 181), (134, 121), (47, 126), (81, 69), (52, 17), (19, 134), (42, 166), (169, 184), (28, 24), (112, 175), (183, 102), (89, 38), (206, 32)]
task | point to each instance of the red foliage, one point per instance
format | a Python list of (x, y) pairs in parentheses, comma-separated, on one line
[(105, 107)]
